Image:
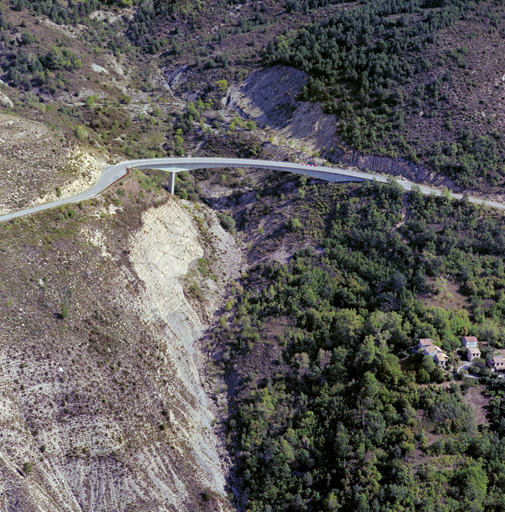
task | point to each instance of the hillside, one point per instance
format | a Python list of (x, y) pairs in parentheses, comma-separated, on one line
[(416, 84), (103, 407), (422, 80), (37, 166), (251, 342), (332, 407)]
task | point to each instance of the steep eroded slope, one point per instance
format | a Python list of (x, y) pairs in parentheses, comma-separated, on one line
[(102, 407)]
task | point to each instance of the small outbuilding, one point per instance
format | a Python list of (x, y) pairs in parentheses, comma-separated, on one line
[(441, 359)]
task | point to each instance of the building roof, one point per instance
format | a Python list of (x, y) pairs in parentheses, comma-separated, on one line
[(498, 360), (432, 348), (425, 342), (473, 350), (441, 356), (469, 338)]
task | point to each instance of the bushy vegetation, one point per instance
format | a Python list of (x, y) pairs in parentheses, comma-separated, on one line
[(324, 416), (30, 69), (451, 415), (376, 67), (139, 31), (307, 5), (65, 14), (186, 186), (227, 222)]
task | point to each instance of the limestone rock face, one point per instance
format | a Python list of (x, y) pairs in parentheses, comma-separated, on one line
[(268, 96), (37, 165), (161, 253), (395, 167), (4, 99), (81, 172)]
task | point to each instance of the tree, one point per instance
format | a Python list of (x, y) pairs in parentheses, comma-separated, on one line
[(227, 222), (423, 376), (428, 365), (81, 132), (294, 224), (471, 484), (222, 86), (451, 415), (348, 326), (90, 101), (27, 38)]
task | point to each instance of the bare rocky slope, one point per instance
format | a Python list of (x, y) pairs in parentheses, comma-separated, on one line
[(102, 407), (37, 165)]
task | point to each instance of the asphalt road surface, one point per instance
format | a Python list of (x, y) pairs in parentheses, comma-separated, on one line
[(334, 174)]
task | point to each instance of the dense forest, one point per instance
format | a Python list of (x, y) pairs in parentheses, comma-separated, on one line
[(331, 409), (379, 66)]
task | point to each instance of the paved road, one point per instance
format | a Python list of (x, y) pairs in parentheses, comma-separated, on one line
[(173, 165)]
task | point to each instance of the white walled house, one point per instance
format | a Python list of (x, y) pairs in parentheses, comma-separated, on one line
[(425, 342), (472, 353), (469, 341)]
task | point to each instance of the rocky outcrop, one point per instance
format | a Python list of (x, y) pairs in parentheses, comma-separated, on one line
[(37, 165), (104, 411), (5, 100), (268, 96), (394, 167), (80, 173), (161, 255)]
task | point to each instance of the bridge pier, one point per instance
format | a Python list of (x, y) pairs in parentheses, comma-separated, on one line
[(171, 182)]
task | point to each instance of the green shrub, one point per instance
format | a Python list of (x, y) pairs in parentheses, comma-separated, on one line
[(227, 222), (125, 99), (90, 101), (221, 85), (81, 132), (294, 224), (27, 38), (203, 267), (451, 415)]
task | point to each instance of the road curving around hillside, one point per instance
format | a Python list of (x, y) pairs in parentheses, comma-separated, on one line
[(113, 173)]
